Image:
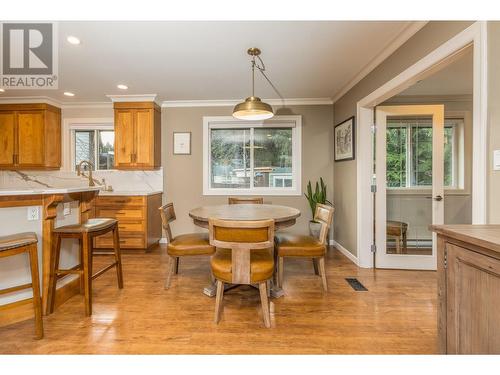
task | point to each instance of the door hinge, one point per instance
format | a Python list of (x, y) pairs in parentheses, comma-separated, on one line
[(374, 128), (374, 188), (445, 259), (373, 248)]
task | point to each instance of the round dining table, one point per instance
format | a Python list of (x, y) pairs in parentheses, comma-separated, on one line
[(283, 217)]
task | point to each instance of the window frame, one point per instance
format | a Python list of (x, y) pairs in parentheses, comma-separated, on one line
[(229, 122), (87, 127), (458, 165)]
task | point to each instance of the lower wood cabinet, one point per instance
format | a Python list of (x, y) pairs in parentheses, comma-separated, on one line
[(138, 220), (469, 289)]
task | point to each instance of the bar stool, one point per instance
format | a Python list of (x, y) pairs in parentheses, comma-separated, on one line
[(85, 232), (25, 243)]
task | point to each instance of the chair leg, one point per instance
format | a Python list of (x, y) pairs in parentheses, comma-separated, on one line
[(398, 245), (321, 262), (315, 265), (218, 301), (118, 256), (280, 272), (177, 265), (171, 271), (35, 282), (87, 273), (54, 266), (265, 304)]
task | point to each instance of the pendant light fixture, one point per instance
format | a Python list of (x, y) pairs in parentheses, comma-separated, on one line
[(253, 108)]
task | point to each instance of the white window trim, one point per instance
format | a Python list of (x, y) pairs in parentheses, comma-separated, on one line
[(72, 124), (213, 122)]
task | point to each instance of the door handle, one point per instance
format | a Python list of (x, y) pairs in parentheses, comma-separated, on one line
[(438, 198)]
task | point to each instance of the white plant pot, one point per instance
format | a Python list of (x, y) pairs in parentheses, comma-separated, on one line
[(314, 229)]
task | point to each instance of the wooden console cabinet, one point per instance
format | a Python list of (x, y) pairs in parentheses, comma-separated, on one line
[(468, 288), (137, 135), (138, 220), (30, 136)]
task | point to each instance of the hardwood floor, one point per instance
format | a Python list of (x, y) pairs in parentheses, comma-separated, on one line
[(396, 315)]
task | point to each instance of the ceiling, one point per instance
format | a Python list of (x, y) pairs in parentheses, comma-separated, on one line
[(207, 60), (454, 79)]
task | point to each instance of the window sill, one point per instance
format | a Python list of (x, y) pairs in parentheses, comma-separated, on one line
[(260, 192), (418, 192)]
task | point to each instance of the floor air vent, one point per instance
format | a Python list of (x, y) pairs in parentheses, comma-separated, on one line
[(356, 285)]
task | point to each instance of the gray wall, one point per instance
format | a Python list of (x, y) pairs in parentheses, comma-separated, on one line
[(427, 39), (183, 174)]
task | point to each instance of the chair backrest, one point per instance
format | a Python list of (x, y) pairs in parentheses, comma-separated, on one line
[(323, 215), (241, 237), (243, 200), (167, 214)]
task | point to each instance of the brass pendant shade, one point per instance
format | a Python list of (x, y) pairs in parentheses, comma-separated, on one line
[(253, 109)]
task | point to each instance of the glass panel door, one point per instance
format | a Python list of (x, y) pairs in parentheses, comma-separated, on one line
[(410, 168)]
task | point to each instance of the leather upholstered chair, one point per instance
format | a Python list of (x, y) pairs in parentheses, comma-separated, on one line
[(244, 256), (190, 244), (292, 245), (242, 200)]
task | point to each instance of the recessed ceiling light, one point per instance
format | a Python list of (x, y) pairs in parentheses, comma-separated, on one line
[(122, 87), (2, 90), (67, 93), (73, 40)]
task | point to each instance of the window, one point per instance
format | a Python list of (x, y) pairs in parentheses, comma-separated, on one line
[(94, 145), (242, 157), (409, 153)]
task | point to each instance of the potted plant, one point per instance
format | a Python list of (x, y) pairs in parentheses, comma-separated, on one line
[(318, 196)]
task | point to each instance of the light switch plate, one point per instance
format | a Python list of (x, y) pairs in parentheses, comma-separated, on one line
[(33, 213), (496, 160), (66, 208)]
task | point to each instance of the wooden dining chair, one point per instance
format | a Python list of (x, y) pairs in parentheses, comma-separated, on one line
[(243, 200), (292, 245), (190, 244), (243, 256)]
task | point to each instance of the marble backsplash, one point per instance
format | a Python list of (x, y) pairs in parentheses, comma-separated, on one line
[(119, 180)]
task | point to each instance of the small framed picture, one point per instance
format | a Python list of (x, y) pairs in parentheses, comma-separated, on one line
[(345, 140), (182, 143)]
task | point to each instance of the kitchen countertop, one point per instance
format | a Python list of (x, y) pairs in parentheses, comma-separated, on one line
[(45, 191), (487, 236), (129, 193)]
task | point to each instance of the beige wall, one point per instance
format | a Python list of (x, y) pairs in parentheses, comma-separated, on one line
[(183, 174), (427, 39), (493, 120)]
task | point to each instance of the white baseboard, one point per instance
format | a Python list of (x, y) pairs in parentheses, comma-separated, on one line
[(163, 240), (344, 251)]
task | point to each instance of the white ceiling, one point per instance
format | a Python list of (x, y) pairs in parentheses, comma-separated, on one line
[(454, 79), (208, 61)]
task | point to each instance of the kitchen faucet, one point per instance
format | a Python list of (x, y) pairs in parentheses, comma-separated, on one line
[(79, 172)]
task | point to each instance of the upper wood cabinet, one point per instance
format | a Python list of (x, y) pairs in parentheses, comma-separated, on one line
[(30, 136), (137, 135)]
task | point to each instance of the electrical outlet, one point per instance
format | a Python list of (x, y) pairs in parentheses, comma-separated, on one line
[(33, 213), (67, 209)]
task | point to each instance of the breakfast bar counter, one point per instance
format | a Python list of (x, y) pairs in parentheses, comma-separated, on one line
[(40, 210)]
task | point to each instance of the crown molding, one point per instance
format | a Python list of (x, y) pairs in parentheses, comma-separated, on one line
[(30, 100), (430, 98), (406, 33), (133, 98), (233, 102)]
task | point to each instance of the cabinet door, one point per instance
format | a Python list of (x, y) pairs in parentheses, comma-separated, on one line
[(473, 302), (144, 138), (7, 138), (31, 139), (124, 138)]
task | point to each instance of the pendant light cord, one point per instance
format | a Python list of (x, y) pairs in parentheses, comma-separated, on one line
[(262, 69)]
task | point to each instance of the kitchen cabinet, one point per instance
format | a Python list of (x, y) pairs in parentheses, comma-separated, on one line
[(139, 221), (30, 136), (137, 135), (468, 288)]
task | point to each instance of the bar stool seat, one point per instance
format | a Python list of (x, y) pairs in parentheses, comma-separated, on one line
[(85, 232), (12, 241), (91, 225), (19, 243)]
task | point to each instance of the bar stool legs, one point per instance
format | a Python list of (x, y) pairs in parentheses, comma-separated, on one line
[(87, 274), (118, 257), (35, 283)]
